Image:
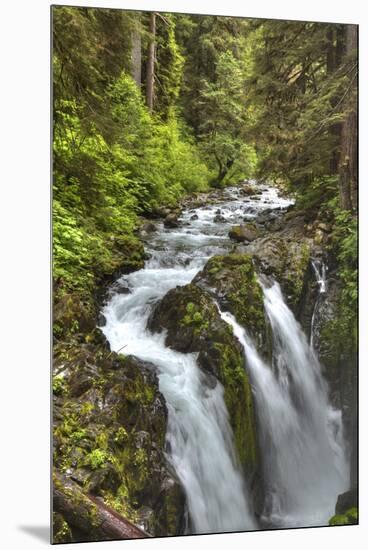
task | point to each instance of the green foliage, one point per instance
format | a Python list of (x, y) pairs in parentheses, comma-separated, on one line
[(97, 458), (345, 239), (222, 130), (298, 87), (169, 66), (342, 331), (58, 385), (239, 403), (121, 435), (193, 316), (113, 161), (311, 195), (348, 518)]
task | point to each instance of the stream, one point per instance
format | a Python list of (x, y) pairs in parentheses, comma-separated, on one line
[(301, 437)]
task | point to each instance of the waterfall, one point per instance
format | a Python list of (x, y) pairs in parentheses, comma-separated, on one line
[(319, 269), (199, 436), (301, 435)]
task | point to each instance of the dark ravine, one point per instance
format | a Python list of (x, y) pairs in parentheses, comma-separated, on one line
[(100, 392)]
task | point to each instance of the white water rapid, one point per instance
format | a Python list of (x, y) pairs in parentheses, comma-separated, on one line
[(301, 436), (300, 433)]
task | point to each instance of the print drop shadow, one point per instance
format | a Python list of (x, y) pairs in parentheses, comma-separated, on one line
[(40, 532)]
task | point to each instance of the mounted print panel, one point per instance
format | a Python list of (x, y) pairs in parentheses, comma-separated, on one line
[(205, 274)]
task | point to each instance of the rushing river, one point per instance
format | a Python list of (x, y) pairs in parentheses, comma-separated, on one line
[(300, 434)]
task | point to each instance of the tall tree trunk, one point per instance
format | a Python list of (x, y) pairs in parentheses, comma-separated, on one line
[(151, 63), (137, 56), (335, 47), (348, 169)]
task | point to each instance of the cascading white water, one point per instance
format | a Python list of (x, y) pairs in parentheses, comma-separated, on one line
[(304, 459), (320, 270), (199, 435)]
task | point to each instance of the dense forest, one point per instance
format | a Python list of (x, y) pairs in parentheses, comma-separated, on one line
[(154, 113)]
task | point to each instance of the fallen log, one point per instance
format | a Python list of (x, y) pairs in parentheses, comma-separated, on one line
[(89, 515)]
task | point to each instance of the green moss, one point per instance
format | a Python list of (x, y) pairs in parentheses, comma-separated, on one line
[(339, 341), (61, 530), (121, 436), (58, 385), (190, 308), (121, 502), (235, 277), (353, 515), (350, 517), (295, 268), (193, 316), (239, 403)]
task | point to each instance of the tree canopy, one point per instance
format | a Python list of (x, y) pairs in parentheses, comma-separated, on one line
[(151, 106)]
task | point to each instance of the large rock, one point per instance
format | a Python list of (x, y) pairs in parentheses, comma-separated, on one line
[(244, 233), (346, 511), (110, 423), (247, 190), (336, 343), (193, 324), (233, 282), (347, 500), (147, 228), (171, 220), (286, 258)]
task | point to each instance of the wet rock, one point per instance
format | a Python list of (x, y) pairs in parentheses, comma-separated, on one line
[(286, 258), (161, 212), (243, 233), (120, 287), (171, 221), (347, 500), (194, 217), (184, 312), (274, 225), (101, 320), (147, 228), (247, 190), (335, 338), (219, 219), (232, 280), (267, 215), (70, 313)]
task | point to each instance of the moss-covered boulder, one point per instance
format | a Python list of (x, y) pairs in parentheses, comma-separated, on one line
[(286, 258), (232, 281), (193, 324), (109, 435), (244, 233)]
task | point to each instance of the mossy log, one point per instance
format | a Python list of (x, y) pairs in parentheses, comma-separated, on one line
[(93, 519)]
